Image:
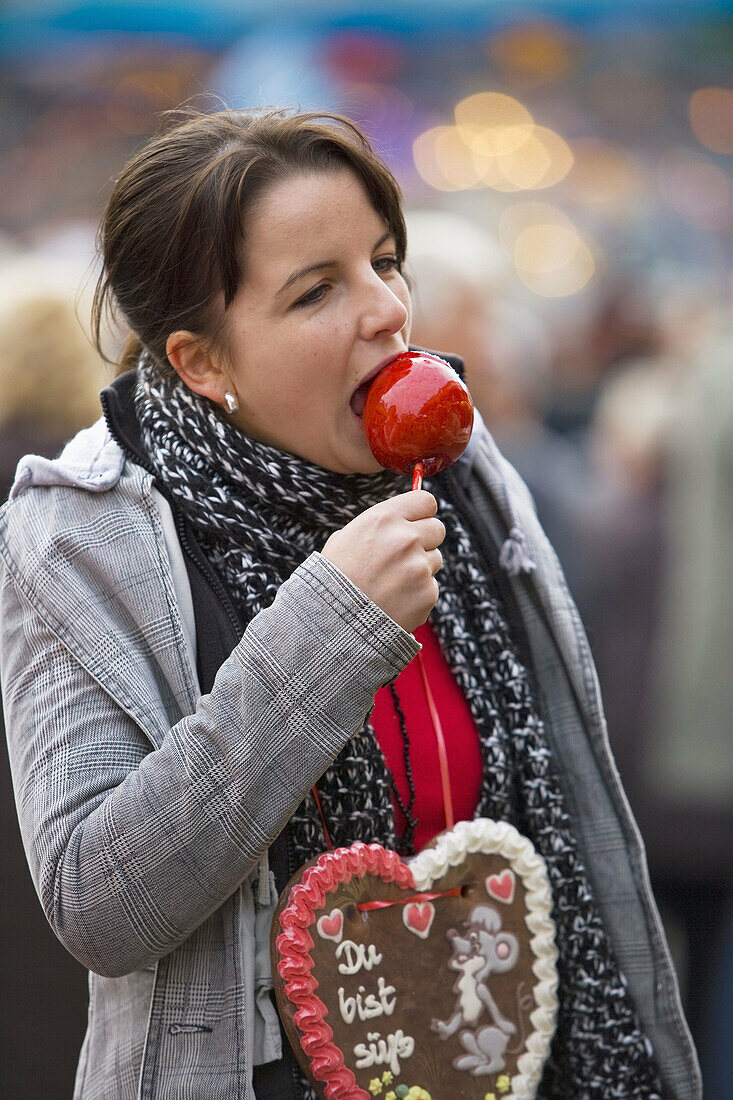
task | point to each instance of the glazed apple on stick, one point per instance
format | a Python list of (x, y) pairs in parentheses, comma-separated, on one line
[(418, 416)]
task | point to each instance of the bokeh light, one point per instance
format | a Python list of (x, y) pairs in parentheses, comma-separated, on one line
[(523, 215), (711, 118), (444, 160), (495, 143), (542, 161), (603, 174), (548, 252), (695, 188), (536, 52), (493, 124)]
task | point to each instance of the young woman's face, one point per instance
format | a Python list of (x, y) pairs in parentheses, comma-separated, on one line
[(323, 307)]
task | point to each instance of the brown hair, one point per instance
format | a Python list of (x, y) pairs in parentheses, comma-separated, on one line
[(173, 232)]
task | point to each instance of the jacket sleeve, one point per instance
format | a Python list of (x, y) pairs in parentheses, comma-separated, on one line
[(130, 847)]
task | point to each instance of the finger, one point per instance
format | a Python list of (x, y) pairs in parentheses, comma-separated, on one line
[(431, 532), (435, 561), (417, 504)]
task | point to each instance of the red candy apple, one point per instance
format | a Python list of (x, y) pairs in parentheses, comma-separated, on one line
[(417, 410)]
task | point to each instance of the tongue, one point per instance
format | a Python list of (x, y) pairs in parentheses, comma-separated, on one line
[(358, 401)]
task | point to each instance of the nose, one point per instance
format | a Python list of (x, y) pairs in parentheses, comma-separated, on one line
[(382, 313)]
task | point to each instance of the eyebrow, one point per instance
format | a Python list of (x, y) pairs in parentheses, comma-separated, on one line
[(324, 263)]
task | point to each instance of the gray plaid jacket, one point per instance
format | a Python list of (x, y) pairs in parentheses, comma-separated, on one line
[(147, 810)]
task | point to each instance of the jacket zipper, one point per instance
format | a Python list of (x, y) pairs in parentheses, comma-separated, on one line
[(211, 576)]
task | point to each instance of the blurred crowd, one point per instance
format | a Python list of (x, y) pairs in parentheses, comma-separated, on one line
[(629, 457), (615, 404)]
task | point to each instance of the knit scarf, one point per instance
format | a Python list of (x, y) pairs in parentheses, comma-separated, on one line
[(258, 513)]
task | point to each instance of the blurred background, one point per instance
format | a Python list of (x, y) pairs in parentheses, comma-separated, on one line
[(567, 173)]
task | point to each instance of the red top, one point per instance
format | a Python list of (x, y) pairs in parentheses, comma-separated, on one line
[(459, 730)]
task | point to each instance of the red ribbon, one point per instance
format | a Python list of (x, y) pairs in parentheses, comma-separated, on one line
[(319, 807), (440, 739), (407, 901), (417, 477)]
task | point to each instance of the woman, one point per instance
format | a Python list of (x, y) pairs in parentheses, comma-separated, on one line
[(202, 596)]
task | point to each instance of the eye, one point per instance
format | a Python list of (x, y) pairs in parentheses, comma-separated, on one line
[(312, 297), (385, 264)]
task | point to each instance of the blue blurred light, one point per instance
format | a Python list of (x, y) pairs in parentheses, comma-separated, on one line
[(213, 24)]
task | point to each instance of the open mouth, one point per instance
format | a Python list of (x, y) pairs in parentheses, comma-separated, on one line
[(359, 396)]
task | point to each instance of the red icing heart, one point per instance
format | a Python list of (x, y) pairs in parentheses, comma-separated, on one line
[(423, 982), (331, 927), (501, 886), (418, 917)]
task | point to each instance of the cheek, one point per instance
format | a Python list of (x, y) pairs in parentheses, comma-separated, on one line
[(324, 353)]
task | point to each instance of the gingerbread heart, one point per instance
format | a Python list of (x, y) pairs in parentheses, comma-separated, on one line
[(424, 982)]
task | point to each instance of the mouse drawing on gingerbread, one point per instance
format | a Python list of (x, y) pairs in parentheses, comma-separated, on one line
[(482, 951)]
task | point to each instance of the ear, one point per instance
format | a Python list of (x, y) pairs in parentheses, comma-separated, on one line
[(197, 367)]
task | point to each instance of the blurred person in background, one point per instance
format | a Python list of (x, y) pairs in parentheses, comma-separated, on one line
[(463, 300), (660, 619), (624, 540), (613, 322), (687, 769), (458, 272), (50, 372), (50, 377)]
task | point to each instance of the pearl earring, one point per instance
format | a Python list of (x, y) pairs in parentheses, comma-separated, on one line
[(232, 405)]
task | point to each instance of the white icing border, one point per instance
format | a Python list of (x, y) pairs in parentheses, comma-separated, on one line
[(500, 838)]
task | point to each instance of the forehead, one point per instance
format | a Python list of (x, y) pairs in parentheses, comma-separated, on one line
[(310, 217)]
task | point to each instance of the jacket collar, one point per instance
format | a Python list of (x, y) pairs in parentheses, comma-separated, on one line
[(118, 405), (92, 460)]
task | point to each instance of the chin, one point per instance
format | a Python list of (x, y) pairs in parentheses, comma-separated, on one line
[(366, 464), (363, 467), (354, 458), (357, 465)]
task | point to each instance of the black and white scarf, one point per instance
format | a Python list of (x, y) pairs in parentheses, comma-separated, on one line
[(258, 513)]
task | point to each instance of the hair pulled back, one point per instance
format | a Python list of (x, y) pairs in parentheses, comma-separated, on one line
[(173, 232)]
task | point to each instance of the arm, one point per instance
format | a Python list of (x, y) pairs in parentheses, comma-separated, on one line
[(131, 849), (446, 1028)]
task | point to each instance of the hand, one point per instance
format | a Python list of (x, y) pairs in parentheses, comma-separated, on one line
[(390, 552)]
